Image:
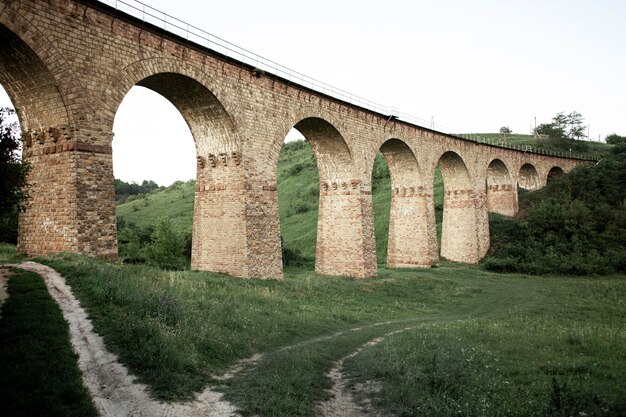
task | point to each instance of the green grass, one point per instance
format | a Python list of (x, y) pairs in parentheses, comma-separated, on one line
[(472, 342), (561, 354), (192, 324), (40, 376), (500, 338), (8, 254), (174, 202)]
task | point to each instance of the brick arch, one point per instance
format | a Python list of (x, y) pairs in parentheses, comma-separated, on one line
[(325, 134), (412, 236), (501, 189), (528, 177), (28, 78), (189, 89), (403, 166), (344, 244), (460, 228), (555, 172), (333, 156)]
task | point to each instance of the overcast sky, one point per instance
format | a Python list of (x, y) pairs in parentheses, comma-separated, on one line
[(471, 66)]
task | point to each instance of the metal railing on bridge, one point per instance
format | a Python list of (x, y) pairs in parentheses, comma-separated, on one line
[(200, 37)]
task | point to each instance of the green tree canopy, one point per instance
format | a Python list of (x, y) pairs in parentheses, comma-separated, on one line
[(13, 192), (566, 131)]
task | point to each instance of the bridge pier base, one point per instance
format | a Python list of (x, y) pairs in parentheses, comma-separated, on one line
[(412, 233), (502, 199), (345, 232), (72, 198), (463, 231)]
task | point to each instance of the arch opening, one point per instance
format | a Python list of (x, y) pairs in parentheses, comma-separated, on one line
[(339, 234), (528, 178), (501, 190), (555, 173), (459, 227), (9, 221), (193, 140), (399, 194)]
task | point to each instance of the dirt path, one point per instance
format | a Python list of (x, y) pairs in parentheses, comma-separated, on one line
[(113, 389), (342, 402)]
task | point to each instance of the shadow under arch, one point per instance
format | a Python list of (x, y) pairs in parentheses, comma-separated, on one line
[(31, 85), (412, 239), (528, 177), (501, 189), (460, 228), (555, 173), (344, 244)]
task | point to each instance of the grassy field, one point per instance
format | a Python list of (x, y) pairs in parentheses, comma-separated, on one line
[(470, 342)]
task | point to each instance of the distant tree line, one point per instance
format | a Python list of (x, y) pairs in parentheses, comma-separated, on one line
[(124, 190)]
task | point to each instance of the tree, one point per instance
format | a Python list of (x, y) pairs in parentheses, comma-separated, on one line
[(167, 250), (615, 139), (570, 125), (564, 130), (505, 130), (13, 172)]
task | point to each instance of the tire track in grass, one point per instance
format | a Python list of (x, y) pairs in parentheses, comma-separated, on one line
[(342, 403), (281, 384)]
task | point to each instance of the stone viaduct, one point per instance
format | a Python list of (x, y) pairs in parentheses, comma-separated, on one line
[(67, 65)]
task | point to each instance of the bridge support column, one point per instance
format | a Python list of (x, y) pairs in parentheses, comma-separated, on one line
[(72, 197), (412, 229), (502, 199), (482, 224), (345, 231), (465, 228), (231, 216)]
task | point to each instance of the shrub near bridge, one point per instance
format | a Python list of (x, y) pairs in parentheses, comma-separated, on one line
[(575, 225)]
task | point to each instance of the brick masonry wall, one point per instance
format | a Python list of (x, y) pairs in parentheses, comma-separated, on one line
[(67, 64)]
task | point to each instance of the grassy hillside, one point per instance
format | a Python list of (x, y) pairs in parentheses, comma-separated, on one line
[(175, 202), (578, 146)]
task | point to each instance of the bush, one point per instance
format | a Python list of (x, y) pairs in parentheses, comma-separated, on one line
[(167, 250), (615, 139)]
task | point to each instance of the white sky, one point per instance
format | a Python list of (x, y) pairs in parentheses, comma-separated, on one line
[(473, 66)]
